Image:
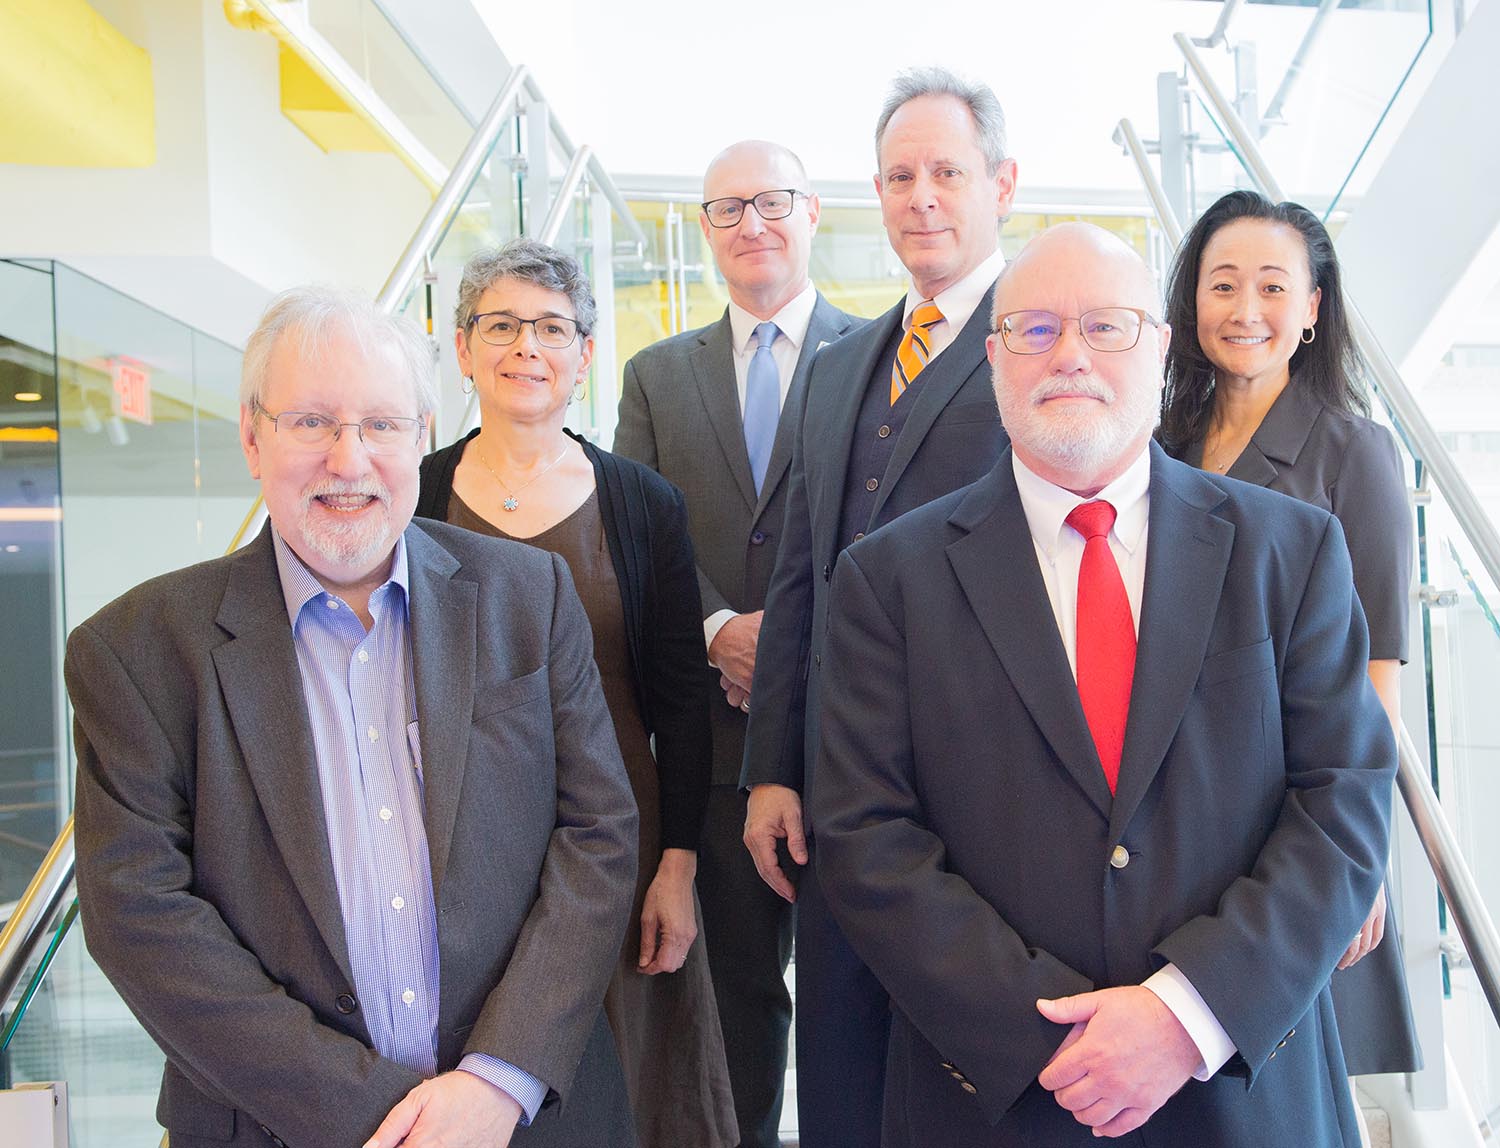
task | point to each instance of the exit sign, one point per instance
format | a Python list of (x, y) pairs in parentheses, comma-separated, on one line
[(132, 390)]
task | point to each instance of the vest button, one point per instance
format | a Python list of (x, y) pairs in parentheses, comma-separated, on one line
[(884, 432), (345, 1003), (1119, 857), (872, 484), (858, 536), (758, 538)]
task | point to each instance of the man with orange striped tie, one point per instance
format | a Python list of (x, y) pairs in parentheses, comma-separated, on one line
[(894, 415)]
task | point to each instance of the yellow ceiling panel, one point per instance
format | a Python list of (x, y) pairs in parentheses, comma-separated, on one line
[(76, 92)]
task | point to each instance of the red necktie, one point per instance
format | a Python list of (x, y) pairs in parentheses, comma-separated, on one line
[(1106, 637)]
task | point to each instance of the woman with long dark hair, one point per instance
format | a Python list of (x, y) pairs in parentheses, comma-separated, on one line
[(1265, 384)]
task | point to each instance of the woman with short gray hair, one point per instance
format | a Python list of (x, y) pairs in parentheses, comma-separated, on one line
[(524, 325)]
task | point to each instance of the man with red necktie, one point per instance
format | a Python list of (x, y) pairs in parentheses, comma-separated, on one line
[(1103, 787)]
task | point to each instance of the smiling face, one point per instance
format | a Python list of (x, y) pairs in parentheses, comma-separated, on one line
[(523, 382), (1076, 416), (1253, 300), (340, 509), (941, 207), (763, 262)]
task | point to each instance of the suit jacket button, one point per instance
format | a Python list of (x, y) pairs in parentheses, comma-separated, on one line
[(969, 1088), (345, 1003), (884, 432), (1119, 857), (758, 538), (872, 484), (946, 1065), (859, 535)]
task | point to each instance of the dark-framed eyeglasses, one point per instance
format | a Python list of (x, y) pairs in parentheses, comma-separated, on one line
[(501, 329), (1103, 329), (314, 430), (728, 210)]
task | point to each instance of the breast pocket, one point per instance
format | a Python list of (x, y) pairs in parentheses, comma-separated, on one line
[(1237, 663), (506, 695), (1240, 705)]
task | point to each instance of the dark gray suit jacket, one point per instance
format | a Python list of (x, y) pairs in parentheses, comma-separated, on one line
[(966, 832), (952, 436), (680, 415), (204, 872)]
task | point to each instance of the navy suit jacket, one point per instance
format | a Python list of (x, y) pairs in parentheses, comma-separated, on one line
[(951, 437), (966, 831)]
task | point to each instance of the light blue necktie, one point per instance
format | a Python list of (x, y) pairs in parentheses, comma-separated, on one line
[(762, 403)]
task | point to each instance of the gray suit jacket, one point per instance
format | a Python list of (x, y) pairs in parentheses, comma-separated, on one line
[(204, 872), (680, 414)]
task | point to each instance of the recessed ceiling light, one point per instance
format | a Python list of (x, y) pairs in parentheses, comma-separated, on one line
[(12, 549), (28, 396)]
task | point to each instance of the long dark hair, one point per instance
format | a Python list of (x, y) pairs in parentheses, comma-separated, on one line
[(1330, 367)]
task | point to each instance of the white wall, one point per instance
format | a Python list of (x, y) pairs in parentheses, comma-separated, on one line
[(239, 203), (657, 88)]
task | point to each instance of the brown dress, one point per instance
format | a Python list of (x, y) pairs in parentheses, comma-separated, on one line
[(665, 1026)]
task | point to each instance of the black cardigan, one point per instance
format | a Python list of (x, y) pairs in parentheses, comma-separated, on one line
[(645, 525)]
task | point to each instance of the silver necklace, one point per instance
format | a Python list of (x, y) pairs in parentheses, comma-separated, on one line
[(511, 502)]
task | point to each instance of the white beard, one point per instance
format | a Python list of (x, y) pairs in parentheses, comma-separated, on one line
[(1082, 438), (357, 543)]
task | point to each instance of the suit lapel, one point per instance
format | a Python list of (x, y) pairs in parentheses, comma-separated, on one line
[(713, 365), (444, 615), (1188, 550), (936, 386), (996, 566), (262, 688), (825, 326)]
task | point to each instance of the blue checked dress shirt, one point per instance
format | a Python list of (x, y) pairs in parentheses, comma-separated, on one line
[(362, 707)]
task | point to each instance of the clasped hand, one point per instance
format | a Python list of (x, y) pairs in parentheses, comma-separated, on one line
[(1124, 1057), (454, 1110)]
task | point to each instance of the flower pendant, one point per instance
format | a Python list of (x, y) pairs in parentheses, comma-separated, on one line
[(510, 503)]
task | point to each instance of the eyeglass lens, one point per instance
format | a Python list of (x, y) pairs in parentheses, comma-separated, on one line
[(1103, 329)]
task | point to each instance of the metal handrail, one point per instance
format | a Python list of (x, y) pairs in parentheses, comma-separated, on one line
[(1454, 877), (454, 188), (35, 910), (1125, 135), (570, 181)]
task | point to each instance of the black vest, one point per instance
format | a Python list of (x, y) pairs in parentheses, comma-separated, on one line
[(877, 429)]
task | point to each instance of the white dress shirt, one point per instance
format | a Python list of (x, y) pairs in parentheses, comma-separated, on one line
[(792, 322), (1059, 552), (957, 302)]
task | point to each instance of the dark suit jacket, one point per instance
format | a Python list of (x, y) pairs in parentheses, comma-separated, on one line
[(951, 437), (204, 872), (680, 415), (645, 527), (966, 831)]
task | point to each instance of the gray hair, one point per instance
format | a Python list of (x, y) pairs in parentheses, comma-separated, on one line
[(530, 262), (313, 315), (984, 108)]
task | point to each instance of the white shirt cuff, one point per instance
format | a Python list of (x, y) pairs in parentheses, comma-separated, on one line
[(525, 1089), (711, 627), (1192, 1012)]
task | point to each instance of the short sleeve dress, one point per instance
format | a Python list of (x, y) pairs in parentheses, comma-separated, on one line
[(1350, 466)]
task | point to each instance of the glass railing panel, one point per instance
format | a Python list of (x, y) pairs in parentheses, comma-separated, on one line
[(75, 1028), (31, 735), (1339, 110), (380, 56)]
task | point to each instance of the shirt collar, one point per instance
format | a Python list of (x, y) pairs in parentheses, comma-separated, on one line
[(299, 585), (792, 320), (1047, 506), (958, 300)]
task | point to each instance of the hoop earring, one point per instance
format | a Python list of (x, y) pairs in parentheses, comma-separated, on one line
[(1309, 333), (466, 384), (580, 389)]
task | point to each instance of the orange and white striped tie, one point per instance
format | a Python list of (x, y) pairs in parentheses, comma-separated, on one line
[(915, 348)]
